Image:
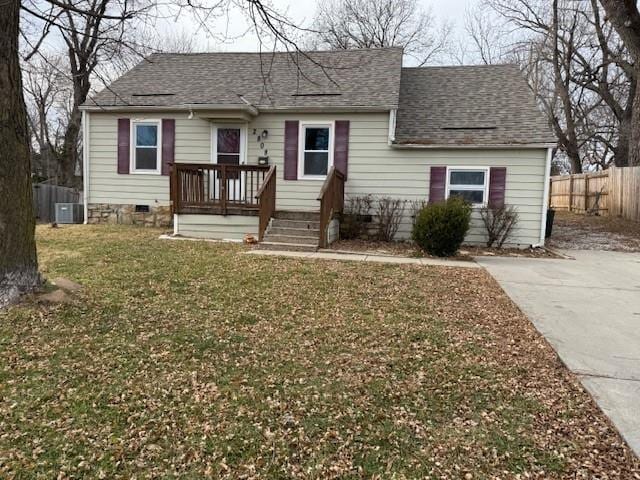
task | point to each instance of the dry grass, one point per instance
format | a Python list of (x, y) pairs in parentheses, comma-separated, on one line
[(192, 360)]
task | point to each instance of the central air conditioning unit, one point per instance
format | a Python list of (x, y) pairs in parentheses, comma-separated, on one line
[(69, 213)]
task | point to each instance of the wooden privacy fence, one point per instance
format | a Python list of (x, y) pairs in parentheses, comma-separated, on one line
[(615, 191), (625, 192), (46, 196)]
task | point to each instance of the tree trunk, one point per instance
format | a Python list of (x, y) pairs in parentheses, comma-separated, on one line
[(18, 261), (634, 141), (621, 151), (69, 158), (625, 18)]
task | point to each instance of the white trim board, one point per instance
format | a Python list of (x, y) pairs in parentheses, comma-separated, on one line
[(132, 146), (303, 124)]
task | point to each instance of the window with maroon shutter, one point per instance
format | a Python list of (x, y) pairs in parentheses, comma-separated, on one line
[(147, 146), (437, 184), (469, 183), (316, 153), (497, 186), (124, 132), (341, 146), (168, 144), (291, 131)]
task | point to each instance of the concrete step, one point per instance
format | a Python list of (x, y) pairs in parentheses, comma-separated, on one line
[(297, 215), (286, 247), (297, 224), (292, 239), (297, 232)]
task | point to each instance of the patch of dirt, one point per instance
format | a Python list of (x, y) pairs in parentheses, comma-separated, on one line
[(398, 249), (589, 232), (57, 296), (66, 284), (508, 252)]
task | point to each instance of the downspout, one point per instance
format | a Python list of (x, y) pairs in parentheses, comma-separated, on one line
[(545, 197), (85, 164), (392, 126)]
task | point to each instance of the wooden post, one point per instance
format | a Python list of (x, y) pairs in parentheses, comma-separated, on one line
[(571, 193), (586, 193), (223, 188)]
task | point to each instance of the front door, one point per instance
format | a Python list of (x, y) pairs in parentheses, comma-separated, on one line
[(228, 142)]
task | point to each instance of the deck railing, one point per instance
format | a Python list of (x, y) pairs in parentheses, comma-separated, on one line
[(331, 201), (218, 189), (266, 198)]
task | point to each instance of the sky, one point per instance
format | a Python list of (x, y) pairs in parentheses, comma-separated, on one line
[(241, 38)]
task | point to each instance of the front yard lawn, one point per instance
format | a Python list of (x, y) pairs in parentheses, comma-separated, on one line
[(192, 360)]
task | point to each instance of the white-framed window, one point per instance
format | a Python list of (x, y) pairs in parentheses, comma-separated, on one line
[(316, 150), (470, 183), (145, 146)]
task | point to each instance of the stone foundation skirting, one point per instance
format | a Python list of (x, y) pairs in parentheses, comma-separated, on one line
[(125, 214)]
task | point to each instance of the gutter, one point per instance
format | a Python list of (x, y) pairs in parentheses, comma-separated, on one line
[(182, 107), (246, 107), (545, 198), (451, 146), (392, 126)]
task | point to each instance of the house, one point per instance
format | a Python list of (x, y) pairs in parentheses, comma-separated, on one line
[(226, 144)]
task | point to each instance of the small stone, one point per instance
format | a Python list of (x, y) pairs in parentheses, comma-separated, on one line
[(66, 284)]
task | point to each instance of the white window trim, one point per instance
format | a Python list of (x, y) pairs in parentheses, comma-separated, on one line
[(301, 139), (243, 141), (132, 167), (484, 187)]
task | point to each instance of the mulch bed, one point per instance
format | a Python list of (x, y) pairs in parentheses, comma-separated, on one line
[(408, 249)]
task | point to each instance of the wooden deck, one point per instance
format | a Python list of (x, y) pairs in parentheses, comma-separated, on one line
[(212, 189)]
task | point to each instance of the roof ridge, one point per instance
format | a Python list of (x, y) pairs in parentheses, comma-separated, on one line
[(433, 67), (279, 52)]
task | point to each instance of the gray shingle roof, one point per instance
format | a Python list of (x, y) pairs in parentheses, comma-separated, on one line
[(468, 105), (354, 78)]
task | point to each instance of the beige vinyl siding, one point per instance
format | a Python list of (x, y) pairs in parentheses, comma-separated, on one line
[(374, 167), (229, 227), (192, 144)]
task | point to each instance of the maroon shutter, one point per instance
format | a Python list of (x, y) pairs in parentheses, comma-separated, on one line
[(437, 184), (168, 144), (497, 181), (291, 129), (124, 132), (341, 146)]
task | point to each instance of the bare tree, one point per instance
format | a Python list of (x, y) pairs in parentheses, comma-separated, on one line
[(486, 38), (346, 24), (48, 96), (625, 18), (93, 32), (579, 69)]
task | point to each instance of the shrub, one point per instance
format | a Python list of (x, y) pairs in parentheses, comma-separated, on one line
[(416, 207), (356, 216), (499, 223), (440, 228), (389, 212)]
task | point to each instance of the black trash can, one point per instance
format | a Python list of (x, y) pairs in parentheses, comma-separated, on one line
[(550, 214)]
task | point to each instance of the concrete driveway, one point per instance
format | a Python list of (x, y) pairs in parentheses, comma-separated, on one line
[(589, 310)]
